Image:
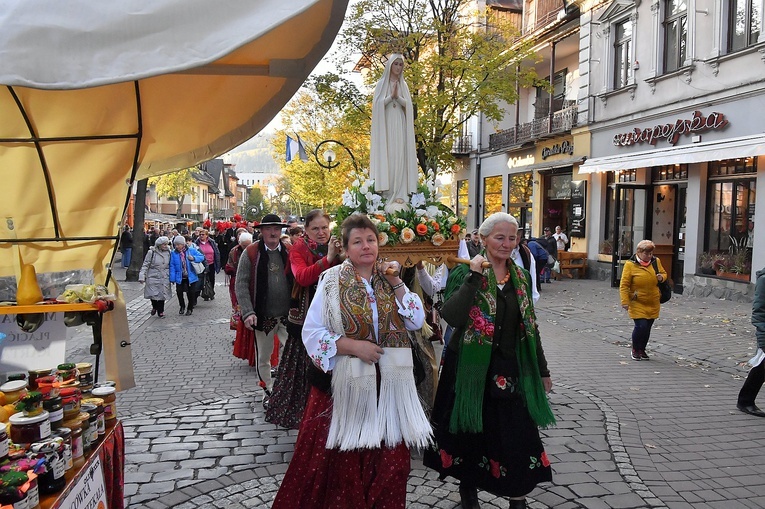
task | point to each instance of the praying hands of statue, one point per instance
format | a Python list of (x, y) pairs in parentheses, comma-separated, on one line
[(394, 92)]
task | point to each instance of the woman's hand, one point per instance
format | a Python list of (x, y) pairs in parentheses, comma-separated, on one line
[(367, 351), (547, 383), (476, 264), (333, 248), (394, 267), (660, 277)]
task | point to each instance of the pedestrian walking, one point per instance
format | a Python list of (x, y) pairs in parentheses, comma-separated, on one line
[(309, 257), (352, 451), (263, 289), (126, 246), (639, 293), (182, 273), (548, 242), (491, 396), (209, 248), (756, 376), (155, 273), (244, 239)]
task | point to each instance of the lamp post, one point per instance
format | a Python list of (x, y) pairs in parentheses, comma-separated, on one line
[(328, 158), (286, 198)]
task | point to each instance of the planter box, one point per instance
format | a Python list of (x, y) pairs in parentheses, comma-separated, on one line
[(605, 257), (734, 276)]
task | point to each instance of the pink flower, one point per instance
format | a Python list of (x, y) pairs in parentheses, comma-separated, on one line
[(494, 467), (501, 382), (489, 329), (446, 459), (474, 312), (479, 323)]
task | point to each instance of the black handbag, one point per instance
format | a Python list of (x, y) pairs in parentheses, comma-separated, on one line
[(665, 289)]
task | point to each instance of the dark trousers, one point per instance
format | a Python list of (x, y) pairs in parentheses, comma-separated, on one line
[(159, 305), (752, 385), (641, 333), (210, 275), (189, 290)]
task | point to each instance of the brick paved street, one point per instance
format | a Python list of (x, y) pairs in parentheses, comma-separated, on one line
[(663, 433)]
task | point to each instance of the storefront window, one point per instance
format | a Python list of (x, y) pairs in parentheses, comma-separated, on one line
[(733, 166), (462, 199), (492, 195), (730, 220), (519, 191), (626, 175), (669, 172)]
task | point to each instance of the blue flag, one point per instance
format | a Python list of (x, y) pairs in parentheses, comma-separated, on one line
[(295, 149)]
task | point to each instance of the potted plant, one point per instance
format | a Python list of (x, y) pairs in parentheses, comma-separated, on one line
[(605, 251), (737, 263), (707, 261)]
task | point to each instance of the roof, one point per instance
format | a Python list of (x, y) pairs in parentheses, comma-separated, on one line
[(505, 5)]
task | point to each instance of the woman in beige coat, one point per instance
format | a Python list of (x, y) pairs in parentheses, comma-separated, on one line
[(640, 294)]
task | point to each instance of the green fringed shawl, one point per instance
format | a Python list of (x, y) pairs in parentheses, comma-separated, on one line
[(476, 347)]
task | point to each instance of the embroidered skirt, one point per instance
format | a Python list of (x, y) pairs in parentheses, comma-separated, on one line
[(244, 344), (320, 478), (506, 459), (291, 387)]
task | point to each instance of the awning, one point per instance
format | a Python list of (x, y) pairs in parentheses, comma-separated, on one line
[(731, 148)]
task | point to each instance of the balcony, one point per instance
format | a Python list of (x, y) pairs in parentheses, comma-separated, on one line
[(462, 145), (562, 121)]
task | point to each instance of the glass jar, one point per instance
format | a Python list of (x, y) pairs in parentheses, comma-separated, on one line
[(27, 430), (32, 404), (99, 404), (70, 400), (92, 412), (52, 480), (14, 390), (75, 425), (67, 372), (85, 377), (34, 375), (49, 386), (85, 426), (23, 466), (3, 444), (12, 496), (66, 435), (55, 408), (109, 395)]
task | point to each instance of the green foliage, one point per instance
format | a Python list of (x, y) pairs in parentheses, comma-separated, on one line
[(175, 186), (255, 201)]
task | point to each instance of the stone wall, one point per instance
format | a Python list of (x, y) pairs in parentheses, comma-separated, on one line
[(719, 288)]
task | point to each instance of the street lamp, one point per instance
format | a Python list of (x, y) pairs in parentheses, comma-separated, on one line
[(328, 158), (286, 198)]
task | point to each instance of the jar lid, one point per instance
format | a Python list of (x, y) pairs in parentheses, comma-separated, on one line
[(20, 419), (103, 391), (89, 408), (97, 402), (15, 385), (52, 401), (40, 372), (62, 432)]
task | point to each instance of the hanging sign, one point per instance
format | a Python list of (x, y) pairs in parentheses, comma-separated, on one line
[(577, 208), (671, 132)]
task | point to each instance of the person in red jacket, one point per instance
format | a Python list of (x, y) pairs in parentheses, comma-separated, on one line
[(310, 255)]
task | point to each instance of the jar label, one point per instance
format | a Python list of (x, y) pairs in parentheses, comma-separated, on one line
[(25, 503), (58, 466), (3, 448), (45, 429), (93, 434), (33, 495), (77, 447), (101, 424), (110, 410), (57, 415), (68, 462)]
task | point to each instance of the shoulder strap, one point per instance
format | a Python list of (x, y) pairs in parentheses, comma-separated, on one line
[(525, 253), (655, 266)]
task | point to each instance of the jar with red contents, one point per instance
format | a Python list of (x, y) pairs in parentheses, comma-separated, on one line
[(49, 386), (70, 400), (27, 430), (35, 375)]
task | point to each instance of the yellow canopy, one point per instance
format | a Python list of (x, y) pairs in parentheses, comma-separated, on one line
[(99, 94)]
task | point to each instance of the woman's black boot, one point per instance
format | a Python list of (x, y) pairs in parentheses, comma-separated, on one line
[(517, 504), (469, 497)]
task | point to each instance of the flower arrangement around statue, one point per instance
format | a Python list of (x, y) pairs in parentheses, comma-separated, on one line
[(425, 220)]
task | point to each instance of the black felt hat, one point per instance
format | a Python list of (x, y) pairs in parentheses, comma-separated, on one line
[(271, 220)]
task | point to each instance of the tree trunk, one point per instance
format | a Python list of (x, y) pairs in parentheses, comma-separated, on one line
[(139, 208)]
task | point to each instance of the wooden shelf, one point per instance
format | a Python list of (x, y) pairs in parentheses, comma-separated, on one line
[(46, 308)]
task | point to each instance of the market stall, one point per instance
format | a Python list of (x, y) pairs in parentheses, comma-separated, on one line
[(98, 95)]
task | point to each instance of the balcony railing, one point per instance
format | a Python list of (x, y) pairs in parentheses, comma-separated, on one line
[(562, 121), (543, 13), (462, 145)]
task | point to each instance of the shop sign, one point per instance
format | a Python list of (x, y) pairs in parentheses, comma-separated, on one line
[(565, 147), (577, 204), (671, 132), (23, 351), (515, 162), (89, 492)]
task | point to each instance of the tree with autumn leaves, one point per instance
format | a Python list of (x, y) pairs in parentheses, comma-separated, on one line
[(459, 62), (175, 186)]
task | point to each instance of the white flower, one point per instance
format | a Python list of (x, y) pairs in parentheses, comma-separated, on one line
[(418, 199), (451, 220), (382, 239), (364, 189), (374, 220), (370, 183), (438, 196), (420, 212), (433, 211), (439, 183), (367, 195), (349, 199), (355, 183)]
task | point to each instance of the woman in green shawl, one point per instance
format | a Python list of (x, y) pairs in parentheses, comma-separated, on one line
[(491, 397)]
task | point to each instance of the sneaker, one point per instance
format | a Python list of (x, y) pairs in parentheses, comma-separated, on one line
[(635, 355), (644, 355)]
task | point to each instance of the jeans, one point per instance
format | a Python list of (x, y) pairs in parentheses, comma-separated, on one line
[(546, 273), (641, 333), (126, 255)]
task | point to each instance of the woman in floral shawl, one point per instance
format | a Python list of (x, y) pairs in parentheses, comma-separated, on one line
[(491, 397)]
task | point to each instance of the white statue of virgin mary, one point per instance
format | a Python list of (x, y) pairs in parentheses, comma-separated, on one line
[(393, 159)]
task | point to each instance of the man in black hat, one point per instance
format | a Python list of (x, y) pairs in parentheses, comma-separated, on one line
[(263, 287)]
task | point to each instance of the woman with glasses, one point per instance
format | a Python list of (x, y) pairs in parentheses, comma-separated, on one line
[(639, 292)]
